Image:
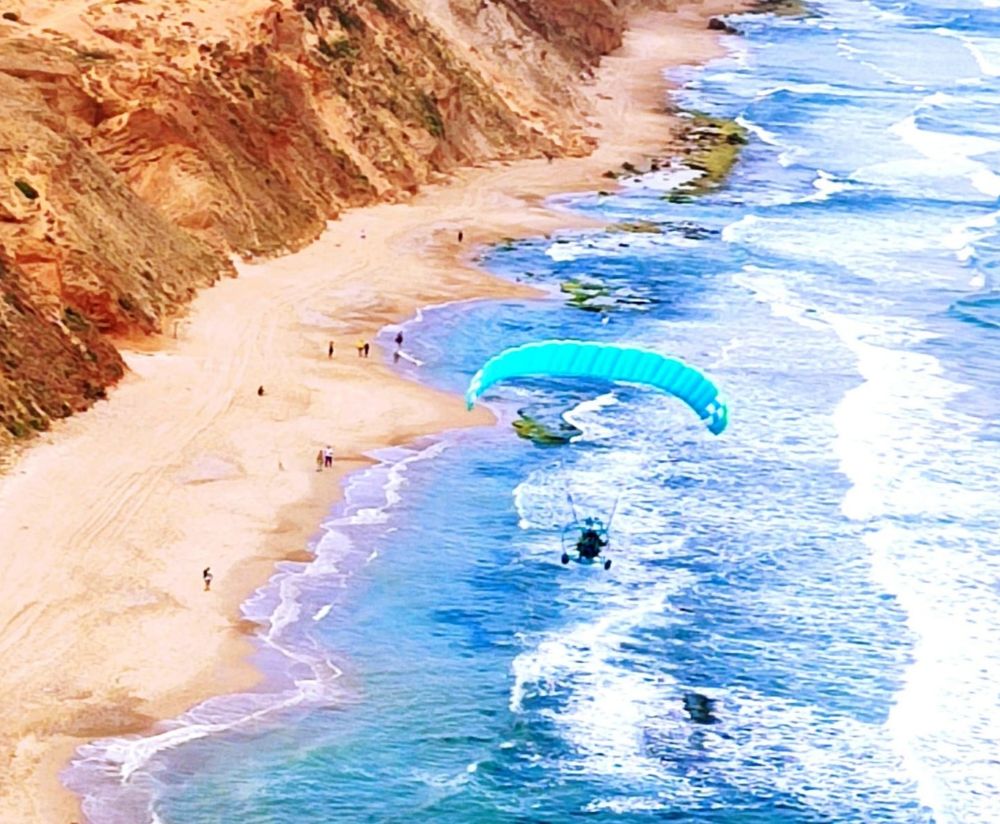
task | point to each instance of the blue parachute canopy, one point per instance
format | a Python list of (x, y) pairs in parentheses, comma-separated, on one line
[(582, 359)]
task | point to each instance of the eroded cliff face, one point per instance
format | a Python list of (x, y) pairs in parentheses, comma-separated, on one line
[(51, 368), (144, 142), (582, 29)]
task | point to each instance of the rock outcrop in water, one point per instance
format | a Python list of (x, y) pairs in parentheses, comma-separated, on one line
[(144, 143)]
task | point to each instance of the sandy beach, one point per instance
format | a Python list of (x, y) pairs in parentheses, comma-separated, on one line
[(108, 521)]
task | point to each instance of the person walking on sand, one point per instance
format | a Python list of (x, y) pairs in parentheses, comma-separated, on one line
[(206, 576), (361, 348), (328, 456), (368, 347), (319, 461), (329, 350)]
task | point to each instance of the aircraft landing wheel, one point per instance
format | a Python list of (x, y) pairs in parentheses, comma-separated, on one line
[(607, 564), (565, 558)]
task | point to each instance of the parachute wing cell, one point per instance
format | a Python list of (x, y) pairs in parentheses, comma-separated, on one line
[(569, 358)]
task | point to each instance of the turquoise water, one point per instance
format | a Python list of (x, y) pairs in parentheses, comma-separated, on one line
[(825, 573)]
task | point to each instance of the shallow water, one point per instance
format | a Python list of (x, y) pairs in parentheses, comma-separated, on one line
[(826, 572)]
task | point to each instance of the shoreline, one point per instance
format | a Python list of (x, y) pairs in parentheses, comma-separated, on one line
[(283, 686), (209, 471)]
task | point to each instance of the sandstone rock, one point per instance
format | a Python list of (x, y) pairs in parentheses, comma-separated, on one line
[(50, 365), (718, 24)]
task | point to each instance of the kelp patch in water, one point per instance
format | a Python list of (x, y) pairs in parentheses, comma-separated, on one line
[(592, 295), (588, 294), (544, 433)]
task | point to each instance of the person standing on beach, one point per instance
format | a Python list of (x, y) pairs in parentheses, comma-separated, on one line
[(367, 348), (328, 456), (461, 235), (206, 576), (361, 348), (319, 461), (329, 350)]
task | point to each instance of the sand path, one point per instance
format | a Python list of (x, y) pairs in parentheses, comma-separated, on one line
[(107, 522)]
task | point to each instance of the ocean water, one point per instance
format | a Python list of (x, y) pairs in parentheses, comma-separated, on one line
[(825, 576)]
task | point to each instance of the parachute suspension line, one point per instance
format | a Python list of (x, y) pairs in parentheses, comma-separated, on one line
[(614, 509), (569, 495), (572, 505)]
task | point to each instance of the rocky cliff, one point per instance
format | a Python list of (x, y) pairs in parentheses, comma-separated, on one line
[(144, 142)]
